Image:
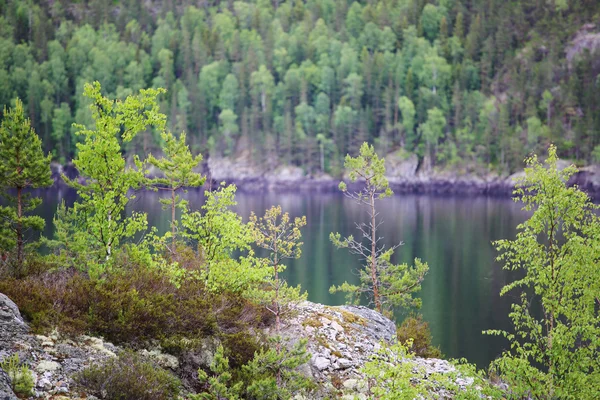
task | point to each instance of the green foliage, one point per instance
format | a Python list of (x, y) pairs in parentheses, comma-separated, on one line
[(220, 233), (128, 376), (273, 373), (280, 237), (236, 75), (386, 284), (177, 167), (22, 166), (414, 334), (109, 180), (556, 353), (21, 378), (393, 375), (219, 385)]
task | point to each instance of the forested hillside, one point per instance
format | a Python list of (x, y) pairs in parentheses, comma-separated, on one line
[(461, 83)]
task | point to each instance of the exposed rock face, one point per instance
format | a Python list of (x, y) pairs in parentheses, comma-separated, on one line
[(586, 39), (402, 170), (341, 340), (51, 359)]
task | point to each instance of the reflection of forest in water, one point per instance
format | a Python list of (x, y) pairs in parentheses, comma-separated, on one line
[(452, 234)]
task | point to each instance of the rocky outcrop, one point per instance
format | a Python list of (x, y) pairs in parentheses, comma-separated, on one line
[(586, 39), (6, 392), (51, 359), (341, 340), (588, 179), (403, 172), (251, 177)]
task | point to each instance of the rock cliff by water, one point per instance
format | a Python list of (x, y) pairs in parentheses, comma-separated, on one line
[(403, 172)]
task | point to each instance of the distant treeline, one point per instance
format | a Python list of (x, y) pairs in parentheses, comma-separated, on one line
[(461, 83)]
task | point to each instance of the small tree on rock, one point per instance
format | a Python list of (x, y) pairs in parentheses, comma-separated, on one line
[(23, 165), (277, 234), (385, 283)]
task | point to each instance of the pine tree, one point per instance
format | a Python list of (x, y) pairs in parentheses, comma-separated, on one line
[(386, 284), (22, 166)]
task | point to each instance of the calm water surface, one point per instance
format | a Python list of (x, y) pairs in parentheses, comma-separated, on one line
[(452, 234)]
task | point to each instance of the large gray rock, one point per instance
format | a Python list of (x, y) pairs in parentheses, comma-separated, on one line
[(10, 317), (378, 327), (340, 340)]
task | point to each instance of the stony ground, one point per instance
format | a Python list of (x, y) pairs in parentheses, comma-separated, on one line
[(340, 340)]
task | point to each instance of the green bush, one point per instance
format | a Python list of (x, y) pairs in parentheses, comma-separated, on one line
[(415, 333), (128, 377), (21, 379)]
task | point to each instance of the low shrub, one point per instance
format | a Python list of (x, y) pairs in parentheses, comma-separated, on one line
[(21, 379), (132, 303), (240, 347), (415, 333), (128, 377)]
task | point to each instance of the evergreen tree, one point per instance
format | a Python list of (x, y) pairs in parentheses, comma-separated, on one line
[(23, 165), (386, 284)]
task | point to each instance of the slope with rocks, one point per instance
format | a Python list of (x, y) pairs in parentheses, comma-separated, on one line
[(340, 341)]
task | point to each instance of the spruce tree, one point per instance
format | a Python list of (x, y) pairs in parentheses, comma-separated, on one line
[(23, 165)]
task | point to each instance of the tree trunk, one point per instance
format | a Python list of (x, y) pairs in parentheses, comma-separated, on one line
[(19, 230), (277, 307), (374, 254), (173, 216)]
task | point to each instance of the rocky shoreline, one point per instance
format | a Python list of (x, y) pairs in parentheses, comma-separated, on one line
[(403, 173)]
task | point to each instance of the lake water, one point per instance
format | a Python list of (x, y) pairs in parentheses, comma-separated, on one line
[(452, 234)]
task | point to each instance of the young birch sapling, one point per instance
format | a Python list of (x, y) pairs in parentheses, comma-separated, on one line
[(280, 237), (556, 354), (108, 178), (177, 165), (277, 234), (386, 284)]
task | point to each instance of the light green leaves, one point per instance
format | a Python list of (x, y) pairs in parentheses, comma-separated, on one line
[(101, 163), (554, 354)]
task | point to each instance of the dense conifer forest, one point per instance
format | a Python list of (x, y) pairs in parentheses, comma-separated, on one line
[(464, 84)]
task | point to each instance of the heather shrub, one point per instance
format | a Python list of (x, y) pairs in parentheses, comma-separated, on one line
[(128, 377), (415, 334), (132, 303)]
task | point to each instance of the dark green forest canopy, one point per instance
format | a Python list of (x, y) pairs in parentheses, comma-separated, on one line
[(462, 83)]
